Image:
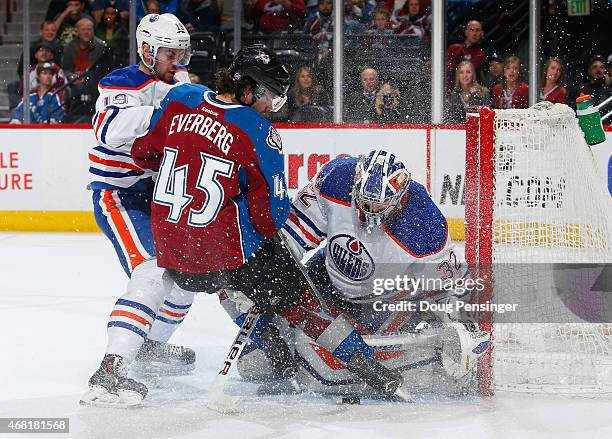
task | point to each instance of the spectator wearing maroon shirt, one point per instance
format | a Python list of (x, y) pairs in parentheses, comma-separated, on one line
[(469, 50), (411, 21), (511, 92), (553, 82), (277, 15), (81, 54), (320, 25)]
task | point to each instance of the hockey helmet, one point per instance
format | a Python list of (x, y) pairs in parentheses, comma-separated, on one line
[(381, 183), (163, 30), (261, 66)]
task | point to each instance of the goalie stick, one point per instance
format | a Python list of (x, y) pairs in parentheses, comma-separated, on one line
[(218, 400)]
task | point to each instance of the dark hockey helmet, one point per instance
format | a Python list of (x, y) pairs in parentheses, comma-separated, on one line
[(261, 66)]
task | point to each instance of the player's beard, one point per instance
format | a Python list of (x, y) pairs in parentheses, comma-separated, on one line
[(167, 75)]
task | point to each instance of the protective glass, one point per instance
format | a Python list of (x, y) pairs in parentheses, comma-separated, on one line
[(170, 55)]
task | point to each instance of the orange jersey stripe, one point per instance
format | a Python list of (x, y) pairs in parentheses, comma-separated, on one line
[(173, 314), (114, 163), (333, 200), (114, 87), (129, 315), (100, 119), (122, 229), (308, 235)]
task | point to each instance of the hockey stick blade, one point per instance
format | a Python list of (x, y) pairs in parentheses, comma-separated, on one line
[(218, 400)]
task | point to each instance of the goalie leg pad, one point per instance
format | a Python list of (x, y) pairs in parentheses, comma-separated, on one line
[(462, 348)]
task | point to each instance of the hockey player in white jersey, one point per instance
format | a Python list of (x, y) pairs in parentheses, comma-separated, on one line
[(378, 224), (122, 193)]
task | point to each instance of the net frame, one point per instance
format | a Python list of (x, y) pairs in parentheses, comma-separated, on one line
[(570, 358)]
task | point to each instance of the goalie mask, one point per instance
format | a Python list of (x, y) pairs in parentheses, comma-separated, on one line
[(381, 184), (268, 76)]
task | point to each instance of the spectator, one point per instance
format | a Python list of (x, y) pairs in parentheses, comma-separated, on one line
[(469, 50), (56, 7), (495, 72), (360, 103), (43, 53), (48, 34), (381, 22), (111, 31), (596, 84), (121, 6), (387, 105), (157, 7), (382, 29), (321, 27), (45, 107), (277, 15), (200, 15), (353, 17), (467, 95), (66, 20), (79, 56), (308, 101), (411, 21), (553, 82), (511, 92)]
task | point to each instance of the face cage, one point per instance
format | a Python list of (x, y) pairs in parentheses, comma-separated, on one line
[(364, 205), (263, 92)]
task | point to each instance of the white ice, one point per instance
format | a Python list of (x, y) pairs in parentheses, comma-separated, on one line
[(56, 292)]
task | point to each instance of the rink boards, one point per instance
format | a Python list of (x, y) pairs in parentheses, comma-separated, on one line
[(44, 170)]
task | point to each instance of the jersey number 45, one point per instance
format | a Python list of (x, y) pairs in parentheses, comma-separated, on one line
[(171, 187)]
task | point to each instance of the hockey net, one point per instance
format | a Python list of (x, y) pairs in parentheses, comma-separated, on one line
[(534, 198)]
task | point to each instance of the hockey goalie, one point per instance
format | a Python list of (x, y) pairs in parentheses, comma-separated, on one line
[(386, 262)]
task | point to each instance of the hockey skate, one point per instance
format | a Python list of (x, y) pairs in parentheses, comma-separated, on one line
[(109, 386), (385, 381), (159, 358)]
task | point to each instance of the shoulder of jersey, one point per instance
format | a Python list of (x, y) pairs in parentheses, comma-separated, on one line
[(256, 126), (126, 78), (420, 227), (189, 94), (336, 179)]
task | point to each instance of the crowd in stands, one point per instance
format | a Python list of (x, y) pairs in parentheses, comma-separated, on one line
[(387, 77)]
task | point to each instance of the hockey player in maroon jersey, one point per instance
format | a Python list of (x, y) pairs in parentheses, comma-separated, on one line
[(219, 200)]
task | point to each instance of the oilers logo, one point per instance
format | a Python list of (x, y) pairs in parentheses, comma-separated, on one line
[(350, 257)]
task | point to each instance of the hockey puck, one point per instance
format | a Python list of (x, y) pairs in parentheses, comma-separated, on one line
[(351, 400)]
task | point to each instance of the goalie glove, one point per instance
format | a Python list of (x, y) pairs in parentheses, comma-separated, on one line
[(462, 348)]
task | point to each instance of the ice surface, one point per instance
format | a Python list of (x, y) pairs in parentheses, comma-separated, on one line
[(56, 293)]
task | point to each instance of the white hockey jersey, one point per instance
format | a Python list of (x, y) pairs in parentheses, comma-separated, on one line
[(415, 244), (128, 97)]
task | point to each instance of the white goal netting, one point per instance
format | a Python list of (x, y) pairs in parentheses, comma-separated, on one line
[(550, 206)]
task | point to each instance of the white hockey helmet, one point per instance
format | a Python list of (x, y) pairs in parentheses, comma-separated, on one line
[(163, 30)]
